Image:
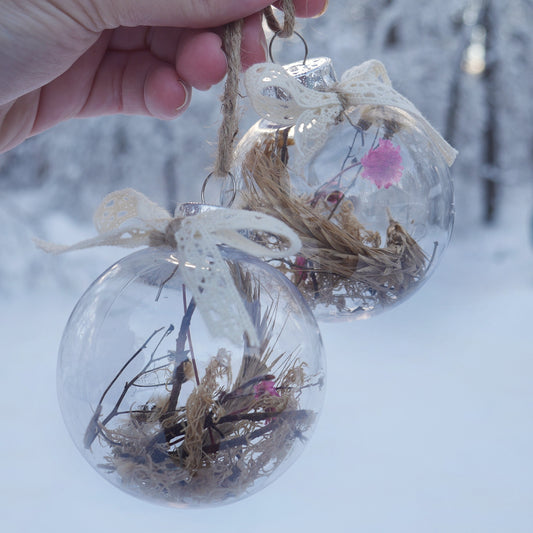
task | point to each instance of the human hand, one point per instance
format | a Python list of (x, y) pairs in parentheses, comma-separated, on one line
[(62, 59)]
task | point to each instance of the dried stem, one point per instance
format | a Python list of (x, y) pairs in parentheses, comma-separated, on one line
[(94, 426)]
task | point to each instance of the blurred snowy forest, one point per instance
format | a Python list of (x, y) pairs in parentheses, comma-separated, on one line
[(427, 424), (464, 63)]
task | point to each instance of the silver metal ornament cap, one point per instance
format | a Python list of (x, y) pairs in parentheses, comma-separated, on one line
[(316, 73)]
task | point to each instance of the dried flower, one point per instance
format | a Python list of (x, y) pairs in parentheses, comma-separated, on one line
[(383, 164), (335, 197), (265, 387), (300, 266)]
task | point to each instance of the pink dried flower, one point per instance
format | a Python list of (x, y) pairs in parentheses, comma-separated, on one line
[(265, 387), (383, 164), (300, 266), (335, 197)]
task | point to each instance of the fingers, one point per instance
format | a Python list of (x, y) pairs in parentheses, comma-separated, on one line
[(197, 55), (253, 46), (136, 83), (177, 13), (200, 59), (152, 71), (165, 95), (103, 14)]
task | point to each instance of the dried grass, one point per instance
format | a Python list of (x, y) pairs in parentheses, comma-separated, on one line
[(343, 260), (226, 437), (209, 468)]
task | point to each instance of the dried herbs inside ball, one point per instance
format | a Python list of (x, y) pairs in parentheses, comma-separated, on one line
[(168, 411), (372, 205)]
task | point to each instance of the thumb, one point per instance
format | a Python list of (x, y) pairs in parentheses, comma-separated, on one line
[(103, 14)]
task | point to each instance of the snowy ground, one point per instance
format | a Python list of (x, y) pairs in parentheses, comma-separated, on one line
[(427, 425)]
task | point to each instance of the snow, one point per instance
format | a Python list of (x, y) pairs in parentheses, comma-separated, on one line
[(426, 427)]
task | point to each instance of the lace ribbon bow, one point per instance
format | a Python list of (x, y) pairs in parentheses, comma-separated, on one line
[(129, 219), (282, 99)]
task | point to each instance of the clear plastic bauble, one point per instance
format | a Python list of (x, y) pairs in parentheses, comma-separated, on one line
[(170, 412), (374, 207)]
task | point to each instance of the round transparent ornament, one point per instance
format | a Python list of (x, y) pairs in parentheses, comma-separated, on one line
[(170, 412), (374, 208)]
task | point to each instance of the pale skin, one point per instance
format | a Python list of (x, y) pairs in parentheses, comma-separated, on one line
[(61, 59)]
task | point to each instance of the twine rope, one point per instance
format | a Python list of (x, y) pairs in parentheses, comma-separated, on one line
[(289, 19), (232, 40), (230, 120)]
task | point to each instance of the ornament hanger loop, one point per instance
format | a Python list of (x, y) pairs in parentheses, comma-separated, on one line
[(277, 34), (233, 188)]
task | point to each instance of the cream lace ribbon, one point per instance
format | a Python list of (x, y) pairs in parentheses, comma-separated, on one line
[(129, 219), (282, 99)]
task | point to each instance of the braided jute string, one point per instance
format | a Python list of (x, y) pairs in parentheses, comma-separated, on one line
[(230, 120), (232, 38)]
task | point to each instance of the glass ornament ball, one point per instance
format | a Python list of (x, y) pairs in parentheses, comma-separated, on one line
[(374, 207), (171, 412)]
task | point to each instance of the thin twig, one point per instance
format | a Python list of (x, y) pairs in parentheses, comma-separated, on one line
[(129, 384)]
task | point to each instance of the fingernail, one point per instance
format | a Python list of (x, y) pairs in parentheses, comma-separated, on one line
[(264, 45), (187, 100), (323, 10)]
